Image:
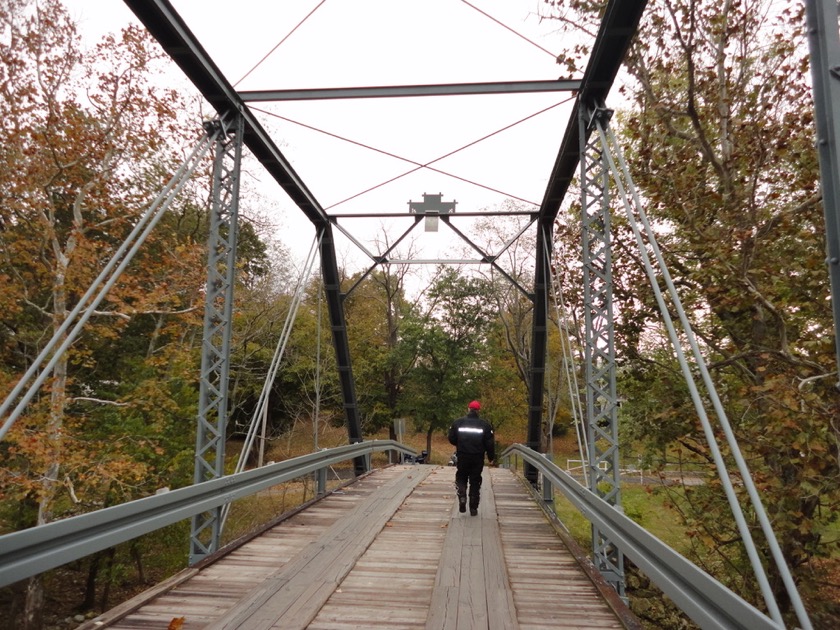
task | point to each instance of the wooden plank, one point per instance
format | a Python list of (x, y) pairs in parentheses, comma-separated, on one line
[(380, 592), (137, 602), (471, 586), (293, 595), (252, 562), (428, 565), (501, 608), (472, 600), (115, 616), (443, 610), (549, 587)]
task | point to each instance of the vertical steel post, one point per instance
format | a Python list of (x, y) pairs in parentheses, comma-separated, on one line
[(547, 488), (321, 481), (215, 348), (539, 339), (824, 43), (338, 324), (599, 342)]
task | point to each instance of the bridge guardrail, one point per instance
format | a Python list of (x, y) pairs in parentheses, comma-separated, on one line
[(708, 602), (38, 549)]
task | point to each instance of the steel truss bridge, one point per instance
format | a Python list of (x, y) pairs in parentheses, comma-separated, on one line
[(589, 152)]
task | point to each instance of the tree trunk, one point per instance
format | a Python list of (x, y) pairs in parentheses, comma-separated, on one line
[(33, 612), (134, 550), (109, 577), (53, 436), (429, 442), (89, 600)]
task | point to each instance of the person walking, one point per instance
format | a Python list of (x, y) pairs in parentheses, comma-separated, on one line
[(472, 437)]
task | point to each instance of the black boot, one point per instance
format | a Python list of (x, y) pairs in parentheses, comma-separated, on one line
[(462, 504), (473, 509)]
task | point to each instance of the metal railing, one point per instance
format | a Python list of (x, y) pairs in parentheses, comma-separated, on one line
[(32, 551), (708, 602)]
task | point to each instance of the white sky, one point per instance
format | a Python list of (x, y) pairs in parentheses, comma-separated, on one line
[(384, 42)]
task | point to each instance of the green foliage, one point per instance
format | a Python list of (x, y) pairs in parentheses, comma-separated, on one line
[(451, 349), (258, 326), (79, 167), (510, 342), (377, 311), (721, 145)]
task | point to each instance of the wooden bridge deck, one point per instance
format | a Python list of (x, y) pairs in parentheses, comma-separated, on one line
[(390, 551)]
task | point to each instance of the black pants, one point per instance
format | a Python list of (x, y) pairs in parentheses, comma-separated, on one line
[(469, 469)]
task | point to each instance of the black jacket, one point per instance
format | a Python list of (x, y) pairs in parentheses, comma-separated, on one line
[(472, 435)]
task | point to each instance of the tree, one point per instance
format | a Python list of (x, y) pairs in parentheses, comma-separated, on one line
[(721, 137), (262, 298), (83, 137), (311, 379), (511, 338), (452, 351), (513, 310), (376, 311)]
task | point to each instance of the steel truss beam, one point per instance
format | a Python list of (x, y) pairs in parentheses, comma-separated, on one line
[(396, 91), (486, 257), (539, 338), (618, 27), (824, 42), (218, 319), (178, 41), (490, 259), (402, 215), (335, 307), (599, 342), (169, 29)]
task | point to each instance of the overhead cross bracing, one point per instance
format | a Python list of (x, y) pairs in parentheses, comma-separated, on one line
[(200, 67), (617, 28), (175, 36), (588, 110)]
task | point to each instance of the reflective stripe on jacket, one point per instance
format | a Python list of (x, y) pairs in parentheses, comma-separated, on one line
[(472, 435)]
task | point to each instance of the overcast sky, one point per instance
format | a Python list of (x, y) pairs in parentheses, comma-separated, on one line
[(347, 43)]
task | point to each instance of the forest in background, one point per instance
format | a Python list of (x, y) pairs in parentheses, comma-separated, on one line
[(718, 130)]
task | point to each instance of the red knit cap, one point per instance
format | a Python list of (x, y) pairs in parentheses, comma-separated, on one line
[(475, 405)]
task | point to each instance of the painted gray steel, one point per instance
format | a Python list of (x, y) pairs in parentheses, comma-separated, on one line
[(170, 30), (396, 91), (708, 602), (218, 329), (402, 215), (824, 42), (32, 551), (599, 339), (617, 29)]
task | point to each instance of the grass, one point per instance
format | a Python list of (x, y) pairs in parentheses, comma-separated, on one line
[(647, 505), (644, 506), (165, 551)]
